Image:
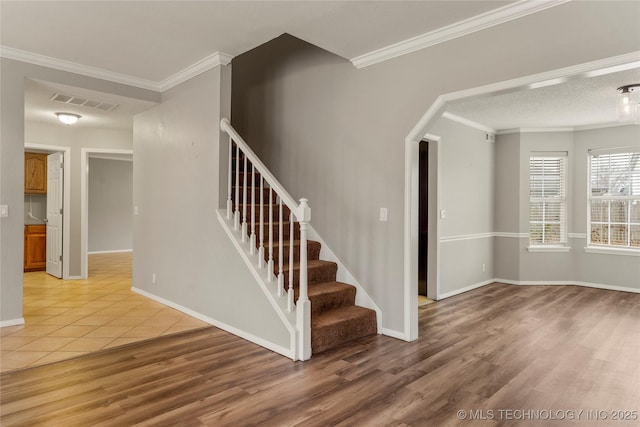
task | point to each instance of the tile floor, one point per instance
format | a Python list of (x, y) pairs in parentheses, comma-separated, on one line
[(68, 318)]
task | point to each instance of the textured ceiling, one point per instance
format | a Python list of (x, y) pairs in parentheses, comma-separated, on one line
[(154, 40), (579, 102)]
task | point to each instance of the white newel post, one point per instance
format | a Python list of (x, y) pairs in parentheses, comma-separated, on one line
[(229, 203), (303, 305)]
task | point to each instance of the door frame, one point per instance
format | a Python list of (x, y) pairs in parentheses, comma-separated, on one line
[(85, 153), (66, 203)]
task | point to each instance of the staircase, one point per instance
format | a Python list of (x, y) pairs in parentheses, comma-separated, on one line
[(266, 221)]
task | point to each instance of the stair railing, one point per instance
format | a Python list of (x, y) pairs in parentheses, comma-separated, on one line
[(237, 205)]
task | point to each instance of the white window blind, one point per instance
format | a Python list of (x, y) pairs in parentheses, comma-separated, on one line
[(614, 199), (548, 199)]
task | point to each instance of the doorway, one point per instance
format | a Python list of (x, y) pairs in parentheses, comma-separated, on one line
[(423, 219), (51, 208)]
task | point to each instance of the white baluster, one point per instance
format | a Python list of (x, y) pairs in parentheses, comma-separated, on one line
[(236, 215), (229, 202), (244, 202), (303, 305), (280, 250), (252, 239), (270, 261), (261, 248), (290, 290)]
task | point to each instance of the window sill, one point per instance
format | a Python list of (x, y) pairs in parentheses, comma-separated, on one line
[(611, 251), (549, 249)]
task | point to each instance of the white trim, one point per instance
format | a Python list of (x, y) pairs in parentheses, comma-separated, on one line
[(511, 235), (72, 67), (84, 202), (480, 22), (466, 237), (534, 130), (611, 251), (602, 126), (344, 275), (433, 113), (467, 122), (549, 249), (465, 289), (218, 324), (74, 278), (205, 64), (108, 157), (12, 322), (116, 251), (394, 334), (577, 235), (66, 202), (567, 283)]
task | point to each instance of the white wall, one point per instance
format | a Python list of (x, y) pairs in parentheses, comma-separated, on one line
[(336, 135), (177, 238), (110, 205)]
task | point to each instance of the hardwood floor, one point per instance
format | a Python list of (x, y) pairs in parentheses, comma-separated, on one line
[(550, 351)]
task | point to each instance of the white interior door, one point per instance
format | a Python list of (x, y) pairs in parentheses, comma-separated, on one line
[(54, 214)]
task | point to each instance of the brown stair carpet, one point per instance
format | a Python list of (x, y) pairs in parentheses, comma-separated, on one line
[(335, 319)]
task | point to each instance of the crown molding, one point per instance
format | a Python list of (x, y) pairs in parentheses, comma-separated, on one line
[(480, 22), (211, 61), (467, 122), (72, 67), (205, 64)]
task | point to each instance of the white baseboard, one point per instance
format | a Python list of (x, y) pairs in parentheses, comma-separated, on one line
[(568, 283), (394, 334), (115, 251), (12, 322), (74, 278), (465, 289), (218, 324)]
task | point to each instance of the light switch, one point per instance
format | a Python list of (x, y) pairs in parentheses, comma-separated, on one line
[(136, 211), (443, 214), (4, 211), (383, 214)]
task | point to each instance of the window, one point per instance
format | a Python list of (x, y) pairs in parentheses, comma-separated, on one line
[(614, 198), (548, 199)]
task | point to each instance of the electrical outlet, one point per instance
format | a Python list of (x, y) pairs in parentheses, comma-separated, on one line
[(4, 211), (383, 214), (443, 214), (484, 268), (153, 278), (136, 211)]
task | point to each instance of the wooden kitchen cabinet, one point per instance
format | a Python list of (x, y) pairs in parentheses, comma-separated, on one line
[(35, 173), (35, 247)]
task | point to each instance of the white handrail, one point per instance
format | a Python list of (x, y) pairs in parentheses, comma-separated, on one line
[(264, 172), (302, 213)]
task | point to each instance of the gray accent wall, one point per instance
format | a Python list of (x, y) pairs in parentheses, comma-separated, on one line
[(336, 135), (467, 186), (177, 236), (110, 205)]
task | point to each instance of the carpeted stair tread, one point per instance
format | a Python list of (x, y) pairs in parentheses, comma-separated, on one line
[(329, 296), (318, 271), (337, 327), (313, 250)]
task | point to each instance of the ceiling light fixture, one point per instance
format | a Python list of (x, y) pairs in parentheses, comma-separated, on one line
[(68, 118), (629, 103)]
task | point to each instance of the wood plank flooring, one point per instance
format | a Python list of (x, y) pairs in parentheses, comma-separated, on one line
[(498, 348)]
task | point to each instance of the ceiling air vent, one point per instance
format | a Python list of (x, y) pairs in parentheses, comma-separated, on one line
[(74, 100)]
